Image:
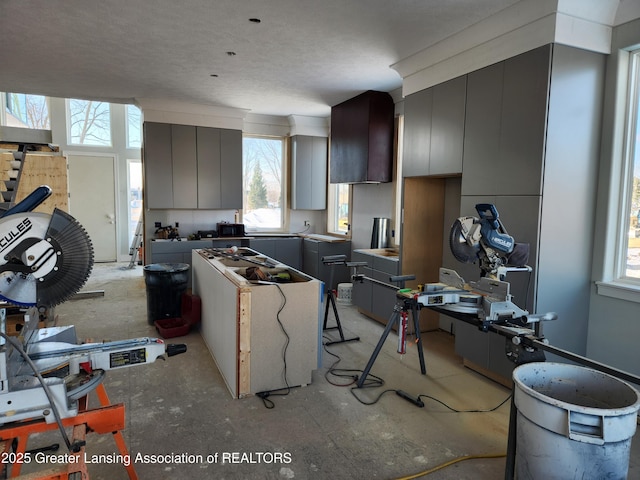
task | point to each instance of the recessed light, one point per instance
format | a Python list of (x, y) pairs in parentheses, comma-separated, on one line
[(255, 20)]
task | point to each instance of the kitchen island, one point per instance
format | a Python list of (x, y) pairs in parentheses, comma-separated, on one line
[(262, 336)]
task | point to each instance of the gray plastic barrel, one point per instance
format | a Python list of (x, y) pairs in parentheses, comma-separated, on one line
[(572, 422), (165, 283)]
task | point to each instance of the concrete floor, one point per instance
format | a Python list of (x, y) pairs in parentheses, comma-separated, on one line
[(182, 406)]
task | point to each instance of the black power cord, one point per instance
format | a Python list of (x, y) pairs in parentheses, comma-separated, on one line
[(281, 392), (373, 382)]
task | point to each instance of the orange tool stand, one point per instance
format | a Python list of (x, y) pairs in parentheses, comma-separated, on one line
[(105, 419)]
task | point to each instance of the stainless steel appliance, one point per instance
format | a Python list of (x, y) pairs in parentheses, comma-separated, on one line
[(230, 229)]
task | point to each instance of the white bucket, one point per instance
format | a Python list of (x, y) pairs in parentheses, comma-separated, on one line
[(344, 293), (572, 422)]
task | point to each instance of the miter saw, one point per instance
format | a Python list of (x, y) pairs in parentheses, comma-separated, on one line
[(45, 259), (484, 240)]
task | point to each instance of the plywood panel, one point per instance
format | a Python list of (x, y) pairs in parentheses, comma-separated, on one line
[(40, 169), (5, 166), (423, 223)]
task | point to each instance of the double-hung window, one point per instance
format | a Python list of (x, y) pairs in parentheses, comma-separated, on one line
[(629, 263)]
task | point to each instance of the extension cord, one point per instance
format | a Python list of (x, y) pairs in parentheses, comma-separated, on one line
[(415, 400)]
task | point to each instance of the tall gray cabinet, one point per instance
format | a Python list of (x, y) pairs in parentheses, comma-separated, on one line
[(192, 167), (434, 130), (308, 173), (532, 130)]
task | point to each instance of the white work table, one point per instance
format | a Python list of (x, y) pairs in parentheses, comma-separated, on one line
[(241, 323)]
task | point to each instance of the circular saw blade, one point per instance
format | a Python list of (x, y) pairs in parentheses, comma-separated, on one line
[(74, 260), (461, 250), (48, 258)]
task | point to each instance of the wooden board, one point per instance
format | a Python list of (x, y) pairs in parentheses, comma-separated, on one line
[(423, 224), (42, 169), (5, 166)]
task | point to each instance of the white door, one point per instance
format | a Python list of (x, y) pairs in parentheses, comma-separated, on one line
[(92, 201)]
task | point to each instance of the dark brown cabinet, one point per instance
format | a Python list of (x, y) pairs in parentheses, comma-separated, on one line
[(362, 139)]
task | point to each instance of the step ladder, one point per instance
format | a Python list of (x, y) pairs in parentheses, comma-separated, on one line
[(136, 243)]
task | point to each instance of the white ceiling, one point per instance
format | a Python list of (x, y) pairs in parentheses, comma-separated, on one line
[(302, 58)]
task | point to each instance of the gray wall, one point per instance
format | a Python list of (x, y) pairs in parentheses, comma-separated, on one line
[(614, 324)]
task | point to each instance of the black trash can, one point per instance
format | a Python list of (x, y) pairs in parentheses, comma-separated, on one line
[(165, 282)]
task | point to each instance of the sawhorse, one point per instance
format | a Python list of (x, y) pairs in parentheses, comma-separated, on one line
[(331, 261), (102, 420), (404, 305)]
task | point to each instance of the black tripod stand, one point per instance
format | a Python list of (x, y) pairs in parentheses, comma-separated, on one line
[(404, 305), (332, 261)]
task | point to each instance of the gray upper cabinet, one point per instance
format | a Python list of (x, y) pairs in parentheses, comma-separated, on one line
[(482, 130), (524, 115), (417, 133), (308, 173), (184, 166), (447, 127), (434, 130), (192, 167), (158, 166), (505, 126), (209, 181), (230, 169), (219, 168)]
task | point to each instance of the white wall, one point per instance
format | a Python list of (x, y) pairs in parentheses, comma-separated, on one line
[(614, 324), (118, 149)]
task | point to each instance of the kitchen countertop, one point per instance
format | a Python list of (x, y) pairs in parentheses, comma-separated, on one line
[(389, 253), (312, 236)]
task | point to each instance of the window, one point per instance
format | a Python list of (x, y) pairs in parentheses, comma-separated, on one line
[(27, 111), (629, 266), (89, 122), (338, 208), (263, 191), (134, 180), (134, 126)]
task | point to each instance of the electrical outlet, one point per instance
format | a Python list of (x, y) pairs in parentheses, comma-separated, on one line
[(306, 223)]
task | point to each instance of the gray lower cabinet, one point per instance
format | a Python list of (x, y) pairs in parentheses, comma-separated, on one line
[(312, 253), (483, 351), (180, 251), (284, 250), (374, 300), (175, 251)]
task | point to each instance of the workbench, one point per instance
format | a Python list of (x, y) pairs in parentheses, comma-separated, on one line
[(244, 323)]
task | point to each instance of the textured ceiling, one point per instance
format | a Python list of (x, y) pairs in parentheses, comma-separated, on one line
[(302, 58)]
